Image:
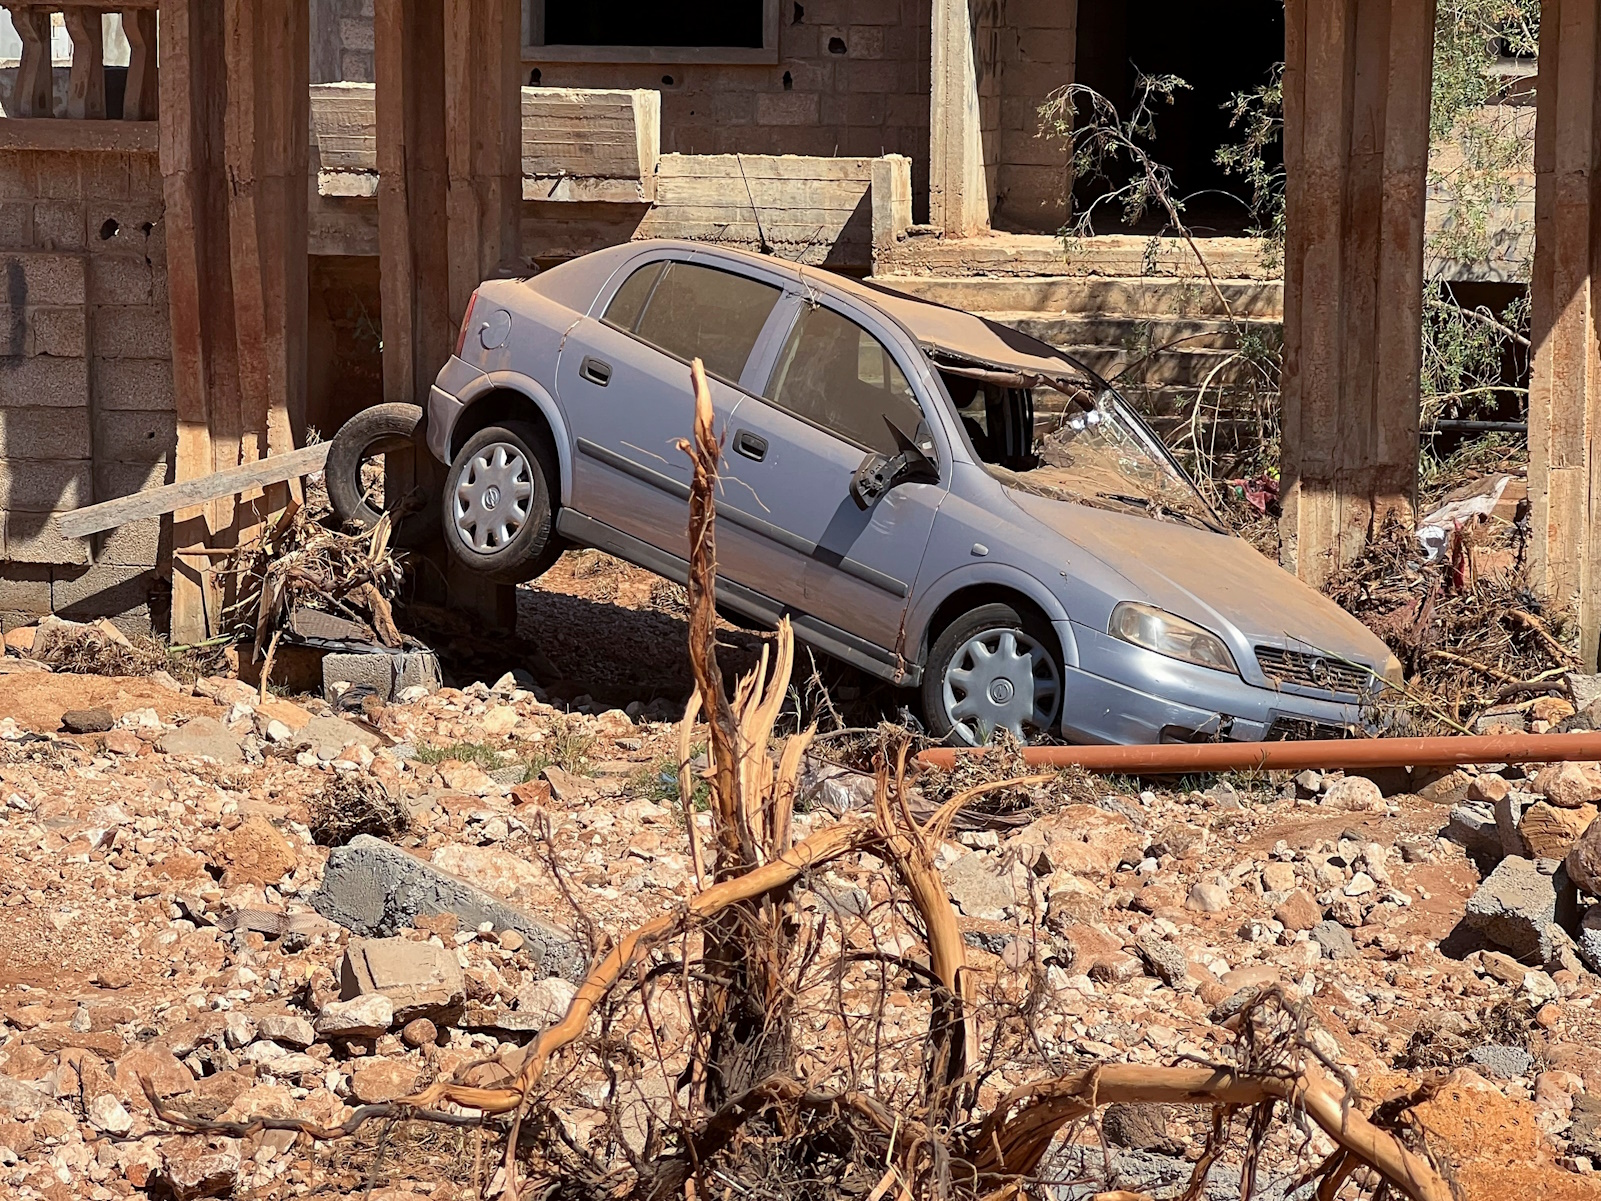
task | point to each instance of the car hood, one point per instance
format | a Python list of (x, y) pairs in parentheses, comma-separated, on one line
[(1217, 580)]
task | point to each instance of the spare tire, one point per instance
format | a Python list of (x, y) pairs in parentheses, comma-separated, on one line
[(380, 430)]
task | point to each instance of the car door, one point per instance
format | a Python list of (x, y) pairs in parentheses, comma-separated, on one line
[(624, 383), (833, 391)]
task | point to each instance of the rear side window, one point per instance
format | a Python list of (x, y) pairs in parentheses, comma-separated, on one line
[(689, 311), (835, 374)]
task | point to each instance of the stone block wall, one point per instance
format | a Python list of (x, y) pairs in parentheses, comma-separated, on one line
[(341, 41), (1037, 55), (86, 402)]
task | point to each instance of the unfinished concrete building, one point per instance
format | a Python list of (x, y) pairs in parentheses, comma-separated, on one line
[(280, 223)]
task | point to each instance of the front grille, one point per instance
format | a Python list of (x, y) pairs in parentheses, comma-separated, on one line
[(1311, 670), (1299, 729)]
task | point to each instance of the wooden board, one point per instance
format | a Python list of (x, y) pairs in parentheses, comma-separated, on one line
[(169, 498)]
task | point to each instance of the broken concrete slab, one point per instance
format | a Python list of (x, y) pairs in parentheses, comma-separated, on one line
[(203, 738), (373, 888), (421, 979), (325, 737), (1517, 903)]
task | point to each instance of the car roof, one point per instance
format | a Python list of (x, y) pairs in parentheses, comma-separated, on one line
[(952, 337)]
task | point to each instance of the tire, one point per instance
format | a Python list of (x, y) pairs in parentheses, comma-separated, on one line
[(978, 671), (504, 544), (380, 429)]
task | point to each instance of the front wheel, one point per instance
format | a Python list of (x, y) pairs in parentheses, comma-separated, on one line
[(498, 504), (993, 669)]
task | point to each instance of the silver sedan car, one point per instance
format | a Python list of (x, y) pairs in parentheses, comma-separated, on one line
[(941, 501)]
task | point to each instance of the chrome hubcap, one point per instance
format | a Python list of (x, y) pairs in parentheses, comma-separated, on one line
[(1001, 679), (493, 497)]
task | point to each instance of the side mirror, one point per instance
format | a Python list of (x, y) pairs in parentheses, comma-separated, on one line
[(879, 473)]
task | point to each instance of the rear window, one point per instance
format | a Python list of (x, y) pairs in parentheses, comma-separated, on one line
[(693, 311)]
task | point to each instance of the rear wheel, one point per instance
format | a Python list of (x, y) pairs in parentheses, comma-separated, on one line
[(993, 668), (498, 507)]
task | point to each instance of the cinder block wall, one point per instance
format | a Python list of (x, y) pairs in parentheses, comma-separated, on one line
[(86, 404)]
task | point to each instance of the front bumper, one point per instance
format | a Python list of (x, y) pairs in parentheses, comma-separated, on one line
[(1119, 693)]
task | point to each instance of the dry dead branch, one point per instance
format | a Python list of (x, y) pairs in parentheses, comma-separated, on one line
[(758, 1105)]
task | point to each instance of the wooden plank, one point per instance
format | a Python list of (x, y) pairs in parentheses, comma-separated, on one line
[(169, 498)]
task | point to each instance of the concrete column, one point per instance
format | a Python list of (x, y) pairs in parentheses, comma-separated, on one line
[(958, 187), (1565, 392), (1356, 116)]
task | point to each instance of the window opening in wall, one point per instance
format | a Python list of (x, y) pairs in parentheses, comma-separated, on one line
[(731, 31)]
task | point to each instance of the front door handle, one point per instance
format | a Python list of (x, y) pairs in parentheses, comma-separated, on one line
[(752, 446), (595, 371)]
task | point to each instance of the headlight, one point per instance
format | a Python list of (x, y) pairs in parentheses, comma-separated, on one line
[(1149, 627), (1394, 673)]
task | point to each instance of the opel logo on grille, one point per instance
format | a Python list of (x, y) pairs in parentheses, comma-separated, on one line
[(1318, 669)]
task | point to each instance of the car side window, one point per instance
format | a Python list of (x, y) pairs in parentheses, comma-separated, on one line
[(689, 310), (835, 374)]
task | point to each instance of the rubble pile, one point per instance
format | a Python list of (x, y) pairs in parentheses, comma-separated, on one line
[(277, 909)]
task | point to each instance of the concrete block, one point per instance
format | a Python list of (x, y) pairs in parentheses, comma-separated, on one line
[(42, 381), (18, 180), (125, 226), (119, 279), (124, 479), (16, 226), (137, 331), (420, 979), (25, 588), (45, 487), (101, 591), (59, 176), (787, 108), (418, 669), (135, 437), (373, 888), (42, 433), (137, 544), (105, 176), (140, 384), (32, 538), (1518, 902), (36, 278), (57, 331), (375, 670), (58, 225)]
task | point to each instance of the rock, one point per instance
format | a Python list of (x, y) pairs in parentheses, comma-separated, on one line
[(1513, 907), (1082, 839), (87, 721), (362, 1017), (1449, 788), (1489, 788), (373, 888), (1508, 816), (419, 1032), (1549, 833), (509, 940), (288, 1029), (157, 1064), (1583, 861), (1207, 898), (378, 1080), (1585, 689), (1569, 785), (21, 639), (547, 1000), (979, 886), (1589, 940), (193, 1169), (1354, 794), (494, 871), (1499, 1060), (1167, 960), (1473, 827), (1070, 898), (1309, 781), (202, 738), (254, 852), (1278, 877), (1334, 939), (107, 1115), (499, 721), (124, 742), (325, 737), (421, 980), (1551, 709), (1503, 968), (1298, 911), (1359, 885)]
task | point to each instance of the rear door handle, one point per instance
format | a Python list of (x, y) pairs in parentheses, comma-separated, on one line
[(752, 446), (595, 371)]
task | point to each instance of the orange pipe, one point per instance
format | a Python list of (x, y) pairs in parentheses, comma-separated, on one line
[(1173, 758)]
